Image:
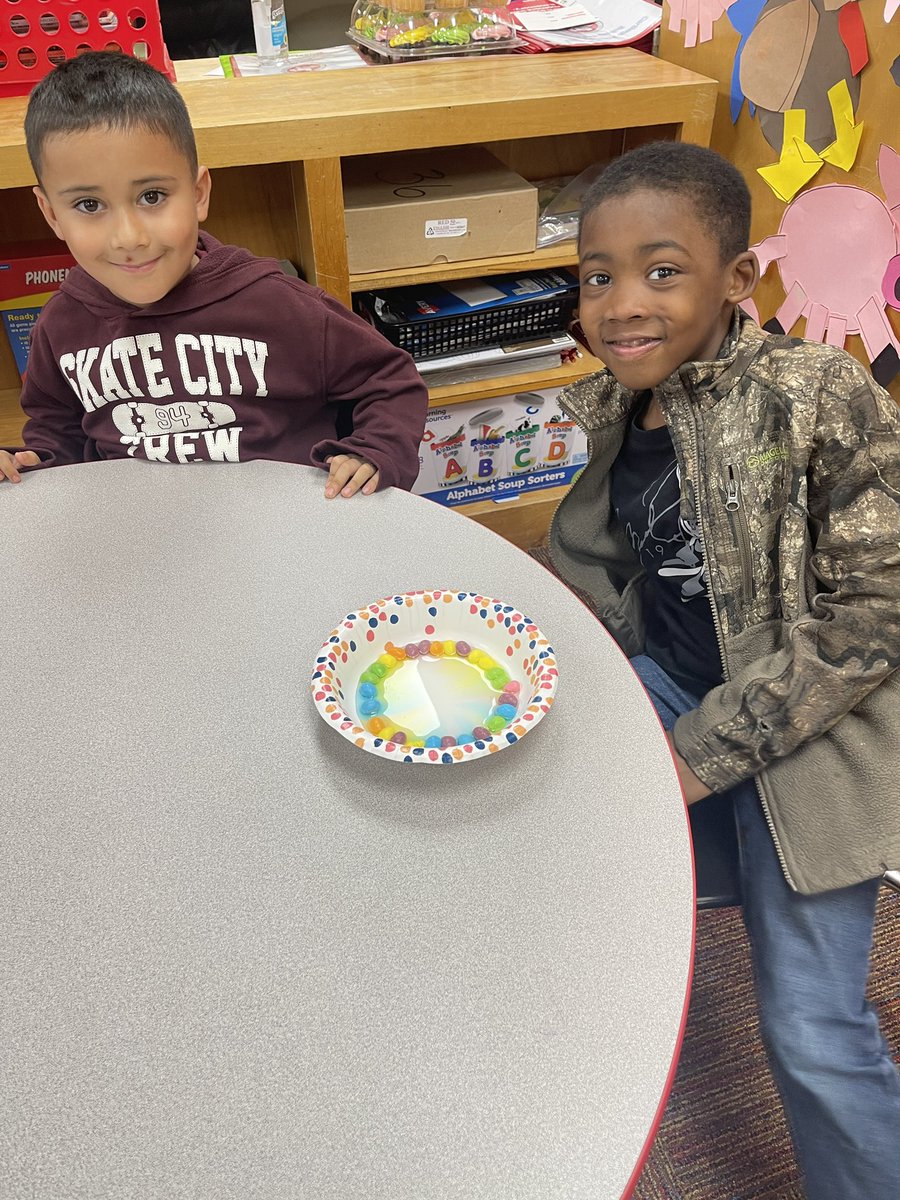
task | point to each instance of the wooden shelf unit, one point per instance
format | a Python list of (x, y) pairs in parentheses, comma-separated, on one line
[(275, 145)]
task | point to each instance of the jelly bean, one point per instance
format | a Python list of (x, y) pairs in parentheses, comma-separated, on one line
[(508, 697), (378, 669), (465, 739), (506, 711), (398, 652), (449, 647), (368, 677), (448, 741), (463, 649), (480, 733), (416, 742), (495, 723), (487, 663), (376, 725), (475, 656), (497, 677), (387, 660), (399, 737), (514, 687), (412, 650), (424, 646), (371, 708), (433, 742), (368, 690), (437, 649)]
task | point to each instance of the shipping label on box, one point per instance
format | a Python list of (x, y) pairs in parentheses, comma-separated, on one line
[(30, 272), (433, 206), (498, 449)]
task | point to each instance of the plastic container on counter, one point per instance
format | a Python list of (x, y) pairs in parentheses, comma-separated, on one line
[(410, 29)]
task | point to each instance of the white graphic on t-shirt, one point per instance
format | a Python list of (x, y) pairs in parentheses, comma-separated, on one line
[(133, 368), (682, 551), (688, 562), (135, 374), (160, 430)]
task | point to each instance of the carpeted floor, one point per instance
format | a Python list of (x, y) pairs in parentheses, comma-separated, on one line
[(723, 1136)]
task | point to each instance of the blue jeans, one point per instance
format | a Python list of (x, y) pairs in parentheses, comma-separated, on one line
[(810, 954)]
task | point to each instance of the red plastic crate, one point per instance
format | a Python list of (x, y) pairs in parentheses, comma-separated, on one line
[(37, 34)]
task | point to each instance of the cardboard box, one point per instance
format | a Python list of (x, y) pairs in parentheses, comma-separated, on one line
[(497, 449), (434, 206), (30, 272)]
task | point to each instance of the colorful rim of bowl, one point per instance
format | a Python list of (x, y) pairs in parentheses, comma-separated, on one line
[(538, 667)]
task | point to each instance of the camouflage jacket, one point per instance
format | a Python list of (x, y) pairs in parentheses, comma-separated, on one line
[(790, 462)]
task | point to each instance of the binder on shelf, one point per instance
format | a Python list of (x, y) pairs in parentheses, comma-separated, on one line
[(434, 319)]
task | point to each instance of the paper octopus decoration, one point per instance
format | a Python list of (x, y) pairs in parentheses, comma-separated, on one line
[(837, 254)]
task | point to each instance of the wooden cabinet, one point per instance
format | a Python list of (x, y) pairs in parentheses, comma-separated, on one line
[(275, 145)]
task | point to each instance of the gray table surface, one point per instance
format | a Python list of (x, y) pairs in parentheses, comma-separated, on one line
[(242, 958)]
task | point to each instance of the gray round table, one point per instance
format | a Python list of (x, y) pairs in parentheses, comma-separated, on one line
[(245, 959)]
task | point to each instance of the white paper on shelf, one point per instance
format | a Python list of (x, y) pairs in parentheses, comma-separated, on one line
[(611, 23), (474, 292), (535, 15), (494, 354)]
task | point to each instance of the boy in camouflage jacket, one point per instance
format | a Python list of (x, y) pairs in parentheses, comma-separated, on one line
[(738, 531)]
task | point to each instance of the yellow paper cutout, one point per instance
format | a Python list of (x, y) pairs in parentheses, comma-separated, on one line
[(798, 162), (843, 150)]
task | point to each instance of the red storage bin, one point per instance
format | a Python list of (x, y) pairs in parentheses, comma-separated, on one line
[(37, 34)]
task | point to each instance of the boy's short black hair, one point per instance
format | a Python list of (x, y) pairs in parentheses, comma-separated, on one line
[(106, 89), (714, 186)]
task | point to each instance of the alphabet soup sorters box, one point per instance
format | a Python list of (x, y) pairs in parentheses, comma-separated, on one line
[(496, 449), (433, 206), (29, 274)]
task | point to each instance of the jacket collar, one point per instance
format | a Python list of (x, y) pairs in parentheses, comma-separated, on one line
[(598, 400), (743, 342)]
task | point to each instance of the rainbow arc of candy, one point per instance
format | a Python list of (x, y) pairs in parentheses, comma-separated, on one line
[(372, 706)]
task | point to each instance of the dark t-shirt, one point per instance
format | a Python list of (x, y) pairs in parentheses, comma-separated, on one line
[(646, 495)]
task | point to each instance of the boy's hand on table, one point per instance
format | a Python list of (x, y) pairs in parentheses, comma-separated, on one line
[(694, 789), (10, 464), (348, 474)]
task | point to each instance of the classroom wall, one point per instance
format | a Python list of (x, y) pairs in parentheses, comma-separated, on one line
[(746, 146)]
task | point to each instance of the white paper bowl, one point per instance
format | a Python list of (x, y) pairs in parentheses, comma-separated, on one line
[(499, 630)]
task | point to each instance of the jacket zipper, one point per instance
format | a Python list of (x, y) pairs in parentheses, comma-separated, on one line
[(733, 505), (732, 499)]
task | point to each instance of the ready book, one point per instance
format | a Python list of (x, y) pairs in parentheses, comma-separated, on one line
[(30, 272)]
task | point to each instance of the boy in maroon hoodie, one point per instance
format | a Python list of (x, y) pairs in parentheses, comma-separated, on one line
[(163, 343)]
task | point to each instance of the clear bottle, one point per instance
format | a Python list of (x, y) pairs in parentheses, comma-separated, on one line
[(270, 33)]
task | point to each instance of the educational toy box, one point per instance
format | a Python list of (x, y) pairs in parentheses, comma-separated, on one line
[(30, 273), (497, 449)]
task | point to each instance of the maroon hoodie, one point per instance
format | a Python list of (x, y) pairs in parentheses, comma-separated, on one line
[(238, 362)]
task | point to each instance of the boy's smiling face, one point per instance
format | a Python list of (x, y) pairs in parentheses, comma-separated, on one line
[(127, 205), (654, 291)]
